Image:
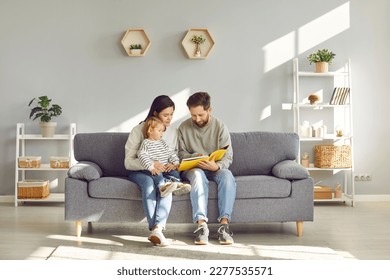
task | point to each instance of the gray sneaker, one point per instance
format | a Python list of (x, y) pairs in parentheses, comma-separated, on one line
[(203, 234), (225, 235)]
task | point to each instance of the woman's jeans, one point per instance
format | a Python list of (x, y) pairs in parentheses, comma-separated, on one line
[(199, 180), (156, 208)]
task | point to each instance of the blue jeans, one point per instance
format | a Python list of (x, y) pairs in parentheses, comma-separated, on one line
[(163, 177), (199, 180), (156, 208)]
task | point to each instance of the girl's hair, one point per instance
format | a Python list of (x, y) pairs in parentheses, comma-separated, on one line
[(199, 99), (150, 124), (160, 103)]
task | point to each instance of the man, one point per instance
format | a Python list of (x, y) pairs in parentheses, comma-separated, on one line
[(201, 135)]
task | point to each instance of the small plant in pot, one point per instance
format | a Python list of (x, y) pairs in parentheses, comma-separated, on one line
[(135, 49), (45, 111), (322, 59), (198, 40)]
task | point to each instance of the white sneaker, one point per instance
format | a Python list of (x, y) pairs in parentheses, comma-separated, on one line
[(182, 188), (167, 189), (158, 238)]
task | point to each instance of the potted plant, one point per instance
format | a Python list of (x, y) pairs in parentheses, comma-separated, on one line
[(135, 49), (322, 59), (44, 111), (198, 40)]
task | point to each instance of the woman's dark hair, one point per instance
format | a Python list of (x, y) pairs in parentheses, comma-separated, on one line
[(199, 99), (160, 103)]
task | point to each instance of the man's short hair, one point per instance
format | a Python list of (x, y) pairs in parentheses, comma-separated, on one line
[(199, 99)]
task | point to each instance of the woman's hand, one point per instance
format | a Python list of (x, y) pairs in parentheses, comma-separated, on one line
[(154, 171)]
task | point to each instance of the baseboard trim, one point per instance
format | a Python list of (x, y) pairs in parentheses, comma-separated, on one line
[(7, 198), (372, 197), (362, 197)]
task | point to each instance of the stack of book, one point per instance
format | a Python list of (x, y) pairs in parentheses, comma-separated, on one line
[(340, 96)]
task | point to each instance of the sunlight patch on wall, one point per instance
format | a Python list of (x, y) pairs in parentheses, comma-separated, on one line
[(265, 113), (279, 51), (323, 28), (181, 111), (306, 37)]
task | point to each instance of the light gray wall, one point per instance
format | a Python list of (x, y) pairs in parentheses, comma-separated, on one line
[(71, 51)]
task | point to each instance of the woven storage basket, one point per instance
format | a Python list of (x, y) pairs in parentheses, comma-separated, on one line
[(29, 162), (331, 156), (59, 162), (33, 189)]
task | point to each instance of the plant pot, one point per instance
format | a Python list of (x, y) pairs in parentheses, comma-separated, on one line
[(322, 67), (48, 128), (135, 51)]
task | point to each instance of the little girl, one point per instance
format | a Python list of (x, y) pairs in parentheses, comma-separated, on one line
[(155, 149)]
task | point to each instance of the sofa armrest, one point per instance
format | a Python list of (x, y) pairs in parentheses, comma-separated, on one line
[(85, 170), (291, 170)]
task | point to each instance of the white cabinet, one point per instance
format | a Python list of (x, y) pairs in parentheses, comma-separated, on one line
[(316, 124), (23, 140)]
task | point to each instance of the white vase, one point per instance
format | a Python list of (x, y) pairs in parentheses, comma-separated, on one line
[(48, 128), (135, 51)]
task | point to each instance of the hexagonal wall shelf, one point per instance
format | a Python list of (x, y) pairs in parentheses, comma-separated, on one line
[(135, 37), (191, 48)]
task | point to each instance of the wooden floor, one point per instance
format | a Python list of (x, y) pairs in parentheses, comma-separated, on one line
[(32, 230)]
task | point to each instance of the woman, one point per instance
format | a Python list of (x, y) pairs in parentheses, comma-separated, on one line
[(156, 208)]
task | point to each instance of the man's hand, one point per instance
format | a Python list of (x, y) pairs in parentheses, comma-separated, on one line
[(210, 165)]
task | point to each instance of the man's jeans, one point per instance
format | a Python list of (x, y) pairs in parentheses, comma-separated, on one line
[(199, 180), (156, 208)]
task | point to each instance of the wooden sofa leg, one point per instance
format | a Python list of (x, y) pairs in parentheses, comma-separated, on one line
[(79, 227), (299, 228)]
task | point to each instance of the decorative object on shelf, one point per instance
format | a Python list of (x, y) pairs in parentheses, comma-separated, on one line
[(59, 162), (322, 59), (135, 42), (306, 130), (337, 191), (313, 98), (135, 49), (339, 131), (340, 96), (332, 156), (29, 162), (45, 112), (323, 192), (305, 161), (197, 37), (33, 189), (198, 40)]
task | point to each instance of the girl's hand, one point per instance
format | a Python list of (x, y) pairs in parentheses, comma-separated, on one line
[(160, 167), (169, 167), (154, 171)]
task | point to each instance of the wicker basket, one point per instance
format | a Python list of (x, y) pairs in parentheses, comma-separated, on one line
[(29, 162), (331, 156), (59, 162), (33, 189)]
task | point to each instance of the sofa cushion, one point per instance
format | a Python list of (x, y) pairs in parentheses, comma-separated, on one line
[(106, 149), (256, 153), (114, 187), (290, 170), (85, 170)]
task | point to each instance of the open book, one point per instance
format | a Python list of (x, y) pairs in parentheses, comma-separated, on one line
[(192, 162)]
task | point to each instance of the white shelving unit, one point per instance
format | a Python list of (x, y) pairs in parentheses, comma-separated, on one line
[(330, 116), (22, 140)]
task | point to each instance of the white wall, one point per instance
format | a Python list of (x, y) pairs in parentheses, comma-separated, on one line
[(71, 51)]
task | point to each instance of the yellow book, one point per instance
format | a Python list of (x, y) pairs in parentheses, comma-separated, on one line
[(189, 163)]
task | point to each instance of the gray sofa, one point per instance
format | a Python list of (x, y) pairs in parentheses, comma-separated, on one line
[(271, 186)]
